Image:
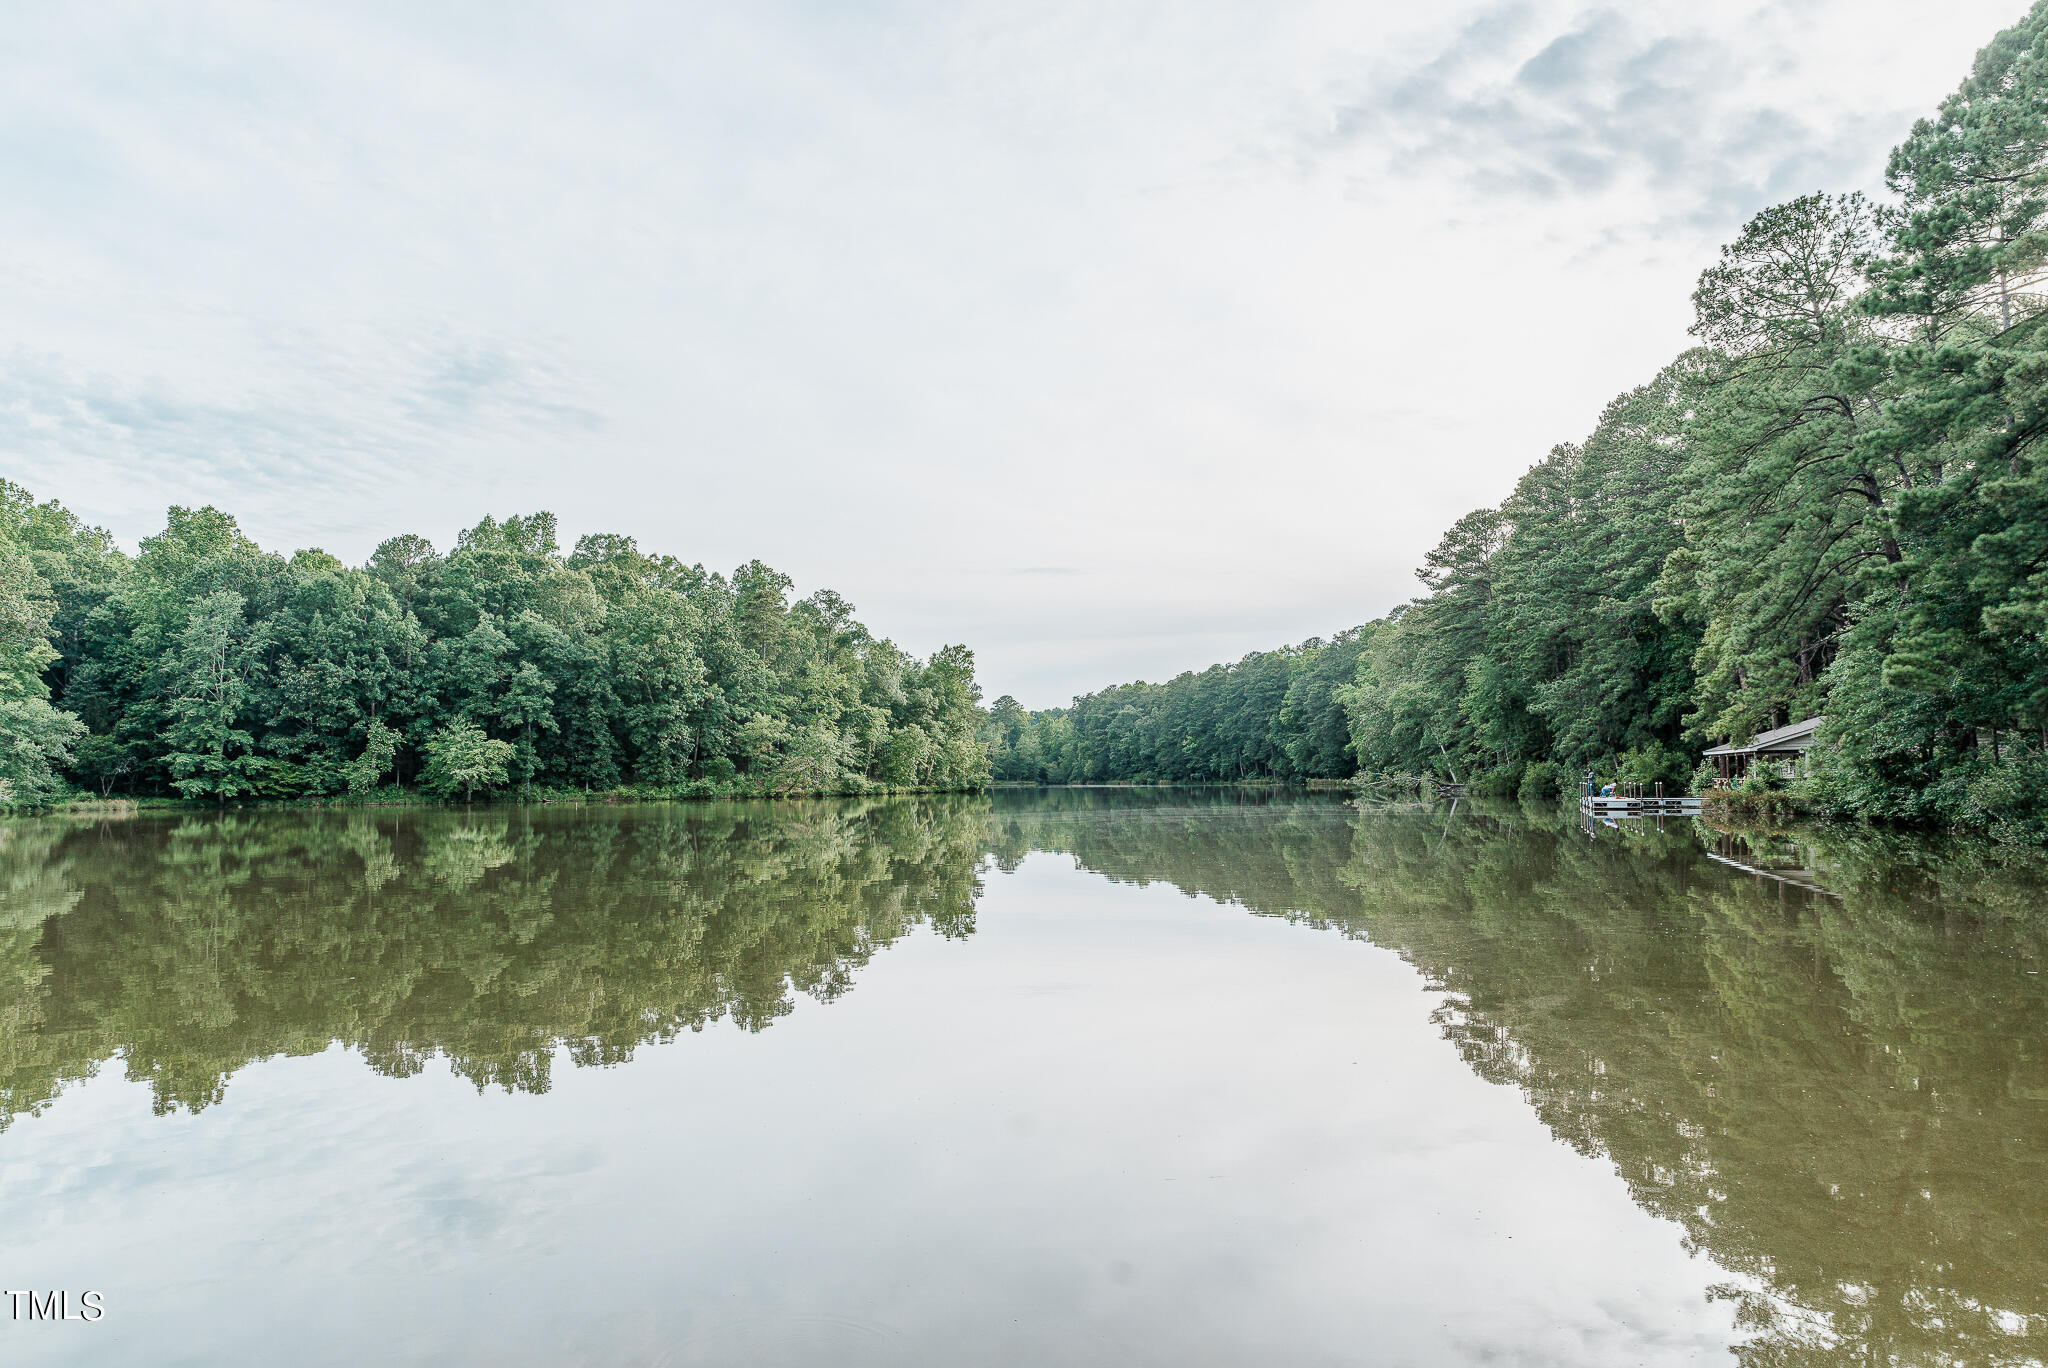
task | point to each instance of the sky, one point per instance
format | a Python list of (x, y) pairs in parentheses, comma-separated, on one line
[(1109, 339)]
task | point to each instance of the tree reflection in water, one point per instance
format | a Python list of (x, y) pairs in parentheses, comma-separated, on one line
[(192, 947), (1839, 1092)]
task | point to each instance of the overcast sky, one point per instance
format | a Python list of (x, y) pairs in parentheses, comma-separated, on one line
[(1109, 339)]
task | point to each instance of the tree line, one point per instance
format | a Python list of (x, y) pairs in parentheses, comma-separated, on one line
[(1274, 714), (1834, 504), (205, 667)]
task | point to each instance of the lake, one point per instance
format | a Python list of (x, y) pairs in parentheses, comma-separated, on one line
[(1079, 1076)]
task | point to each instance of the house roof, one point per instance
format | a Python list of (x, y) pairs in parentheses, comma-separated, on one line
[(1797, 736), (1783, 738)]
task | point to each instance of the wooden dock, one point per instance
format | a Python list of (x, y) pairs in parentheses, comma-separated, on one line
[(1596, 806)]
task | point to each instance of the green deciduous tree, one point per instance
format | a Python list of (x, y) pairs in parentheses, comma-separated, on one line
[(380, 748), (462, 757), (209, 753), (36, 742)]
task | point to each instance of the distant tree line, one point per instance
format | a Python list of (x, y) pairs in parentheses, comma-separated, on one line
[(1272, 715), (206, 667), (1835, 504)]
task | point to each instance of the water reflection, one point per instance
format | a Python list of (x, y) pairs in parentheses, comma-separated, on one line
[(1825, 1060), (495, 938), (1841, 1094)]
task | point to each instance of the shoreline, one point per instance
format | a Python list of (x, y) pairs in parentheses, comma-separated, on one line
[(129, 807)]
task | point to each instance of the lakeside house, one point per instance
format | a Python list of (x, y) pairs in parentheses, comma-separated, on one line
[(1783, 747)]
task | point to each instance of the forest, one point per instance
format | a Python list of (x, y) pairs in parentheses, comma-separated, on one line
[(1834, 504), (206, 668), (1273, 715)]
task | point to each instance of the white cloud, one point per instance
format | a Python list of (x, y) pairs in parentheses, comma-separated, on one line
[(1695, 129)]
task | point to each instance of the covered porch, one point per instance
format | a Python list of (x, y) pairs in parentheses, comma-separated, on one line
[(1783, 748)]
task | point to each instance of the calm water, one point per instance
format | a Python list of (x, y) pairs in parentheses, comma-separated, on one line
[(1082, 1077)]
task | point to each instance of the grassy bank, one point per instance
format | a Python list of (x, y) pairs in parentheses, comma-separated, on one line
[(1745, 805)]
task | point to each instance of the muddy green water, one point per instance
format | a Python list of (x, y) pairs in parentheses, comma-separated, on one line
[(1076, 1077)]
